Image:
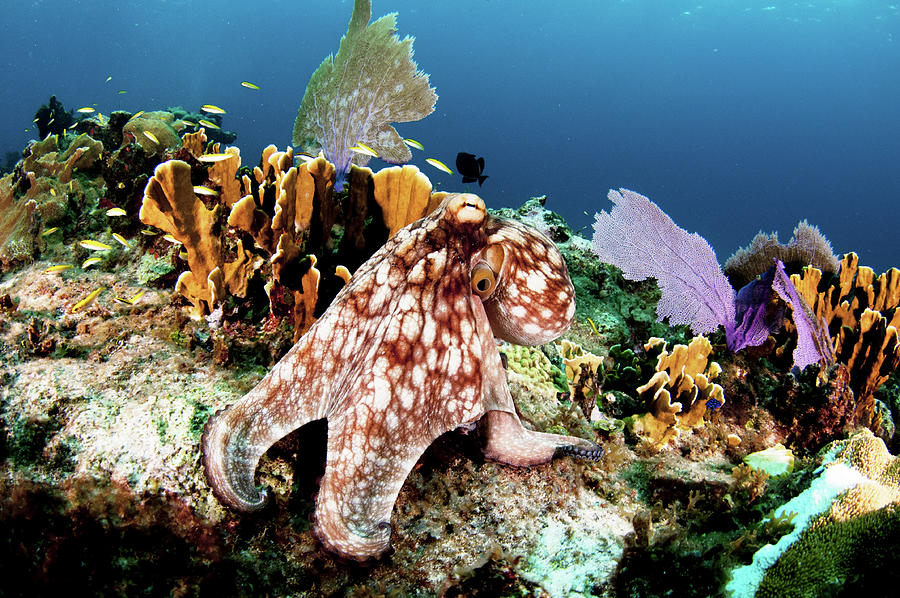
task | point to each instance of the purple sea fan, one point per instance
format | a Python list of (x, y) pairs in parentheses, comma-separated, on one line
[(642, 241)]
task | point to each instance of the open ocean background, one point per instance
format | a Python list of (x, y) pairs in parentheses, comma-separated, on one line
[(732, 115)]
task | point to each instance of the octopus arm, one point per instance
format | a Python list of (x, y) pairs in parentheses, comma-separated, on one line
[(234, 439), (365, 469)]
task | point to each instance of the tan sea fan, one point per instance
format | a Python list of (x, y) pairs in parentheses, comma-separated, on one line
[(354, 95)]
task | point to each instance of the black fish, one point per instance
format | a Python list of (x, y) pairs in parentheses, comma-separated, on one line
[(470, 168)]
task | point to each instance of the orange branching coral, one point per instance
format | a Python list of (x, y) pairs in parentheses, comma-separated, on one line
[(280, 216), (305, 300), (238, 272), (680, 390), (194, 142), (404, 194), (863, 317), (16, 234), (223, 175), (170, 204)]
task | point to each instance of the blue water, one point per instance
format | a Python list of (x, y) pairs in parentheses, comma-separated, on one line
[(734, 116)]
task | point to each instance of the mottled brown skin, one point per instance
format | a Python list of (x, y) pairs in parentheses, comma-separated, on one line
[(405, 353)]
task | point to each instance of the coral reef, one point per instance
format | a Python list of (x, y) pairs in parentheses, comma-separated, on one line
[(354, 95), (106, 383)]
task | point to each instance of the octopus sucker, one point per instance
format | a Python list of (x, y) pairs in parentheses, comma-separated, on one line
[(461, 278)]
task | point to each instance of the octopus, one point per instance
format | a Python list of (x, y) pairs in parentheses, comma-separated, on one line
[(406, 352)]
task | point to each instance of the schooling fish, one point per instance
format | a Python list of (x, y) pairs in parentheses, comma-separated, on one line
[(470, 168), (212, 109)]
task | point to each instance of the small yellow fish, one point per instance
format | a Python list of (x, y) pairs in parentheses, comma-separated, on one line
[(94, 245), (35, 120), (51, 121), (86, 110), (204, 190), (121, 240), (72, 126), (304, 157), (49, 231), (362, 148), (121, 185), (414, 143), (116, 212), (70, 186), (151, 137), (206, 123), (183, 255), (249, 85), (212, 109), (90, 262), (87, 300), (214, 157), (149, 232), (137, 114), (121, 91), (52, 191), (131, 301), (171, 239), (58, 268), (108, 79), (189, 122), (439, 165)]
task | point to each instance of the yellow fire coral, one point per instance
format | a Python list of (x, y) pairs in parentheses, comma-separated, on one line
[(404, 195), (862, 316), (679, 392), (281, 215), (171, 205), (583, 369)]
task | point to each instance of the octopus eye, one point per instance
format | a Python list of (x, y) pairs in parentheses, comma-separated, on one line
[(484, 281)]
